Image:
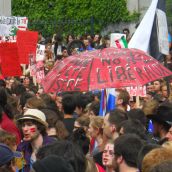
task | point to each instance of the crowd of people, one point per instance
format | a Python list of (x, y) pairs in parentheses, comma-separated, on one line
[(49, 132)]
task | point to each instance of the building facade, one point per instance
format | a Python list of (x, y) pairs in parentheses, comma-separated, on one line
[(5, 7)]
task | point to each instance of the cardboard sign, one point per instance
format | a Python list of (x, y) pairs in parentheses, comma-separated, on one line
[(9, 27), (27, 43), (10, 65), (40, 52)]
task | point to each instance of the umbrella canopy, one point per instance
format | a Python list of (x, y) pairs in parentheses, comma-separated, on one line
[(106, 68)]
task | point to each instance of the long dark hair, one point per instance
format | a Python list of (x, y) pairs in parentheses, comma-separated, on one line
[(4, 107)]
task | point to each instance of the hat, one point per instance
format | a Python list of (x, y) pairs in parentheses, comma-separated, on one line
[(34, 114), (163, 114), (6, 154), (52, 163)]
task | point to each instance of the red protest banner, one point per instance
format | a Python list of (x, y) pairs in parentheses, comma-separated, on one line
[(40, 71), (27, 43), (10, 65)]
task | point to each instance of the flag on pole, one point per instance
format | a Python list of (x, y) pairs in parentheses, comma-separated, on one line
[(151, 35), (107, 102)]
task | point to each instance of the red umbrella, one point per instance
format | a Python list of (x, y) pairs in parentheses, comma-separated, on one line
[(106, 68)]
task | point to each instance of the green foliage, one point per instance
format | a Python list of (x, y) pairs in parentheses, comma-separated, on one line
[(72, 15)]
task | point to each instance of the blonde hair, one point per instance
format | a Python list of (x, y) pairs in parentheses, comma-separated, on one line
[(154, 157), (96, 122)]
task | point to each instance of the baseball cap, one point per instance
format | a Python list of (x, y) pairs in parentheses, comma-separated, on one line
[(6, 154), (34, 114)]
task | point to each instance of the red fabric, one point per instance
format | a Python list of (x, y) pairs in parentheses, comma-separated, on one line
[(99, 168), (9, 59), (27, 43), (92, 142), (106, 68), (9, 126)]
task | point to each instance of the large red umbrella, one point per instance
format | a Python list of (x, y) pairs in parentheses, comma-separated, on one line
[(106, 68)]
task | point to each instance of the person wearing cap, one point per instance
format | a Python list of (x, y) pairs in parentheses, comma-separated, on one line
[(7, 158), (33, 125), (162, 120)]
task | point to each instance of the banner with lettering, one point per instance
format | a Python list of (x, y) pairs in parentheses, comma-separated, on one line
[(137, 91), (40, 52), (40, 71), (9, 27)]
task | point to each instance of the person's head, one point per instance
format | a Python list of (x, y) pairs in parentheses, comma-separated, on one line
[(34, 103), (126, 148), (69, 38), (7, 163), (157, 85), (68, 104), (165, 166), (143, 151), (150, 87), (164, 90), (8, 139), (108, 154), (112, 122), (94, 108), (82, 122), (133, 127), (33, 123), (69, 151), (96, 126), (137, 114), (52, 163), (169, 134), (122, 98), (126, 31), (155, 157)]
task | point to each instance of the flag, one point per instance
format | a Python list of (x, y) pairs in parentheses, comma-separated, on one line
[(150, 127), (107, 102), (151, 35), (141, 37), (103, 102), (121, 43)]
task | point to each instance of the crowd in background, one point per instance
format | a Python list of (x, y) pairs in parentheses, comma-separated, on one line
[(43, 132)]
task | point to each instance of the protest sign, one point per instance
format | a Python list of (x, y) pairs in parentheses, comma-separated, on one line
[(10, 65), (32, 63), (40, 52), (27, 43), (9, 27), (40, 71), (137, 91)]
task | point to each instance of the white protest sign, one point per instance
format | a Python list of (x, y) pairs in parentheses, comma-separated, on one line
[(40, 52), (114, 37), (9, 27), (162, 31)]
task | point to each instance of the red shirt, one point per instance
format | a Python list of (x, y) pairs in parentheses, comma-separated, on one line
[(8, 125)]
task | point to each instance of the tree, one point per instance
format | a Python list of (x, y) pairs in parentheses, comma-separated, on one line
[(72, 15)]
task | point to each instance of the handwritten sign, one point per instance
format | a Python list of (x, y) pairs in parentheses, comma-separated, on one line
[(107, 68), (9, 27), (9, 60), (40, 52), (27, 43), (137, 91), (32, 63)]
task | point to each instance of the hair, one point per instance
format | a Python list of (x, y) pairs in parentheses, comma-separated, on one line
[(35, 103), (116, 117), (91, 166), (97, 122), (137, 114), (95, 106), (133, 127), (150, 107), (84, 121), (2, 83), (7, 167), (124, 95), (167, 144), (128, 146), (155, 157), (68, 104), (143, 151), (79, 137), (165, 166), (69, 151), (7, 138)]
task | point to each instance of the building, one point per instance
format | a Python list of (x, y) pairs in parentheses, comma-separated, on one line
[(5, 7)]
